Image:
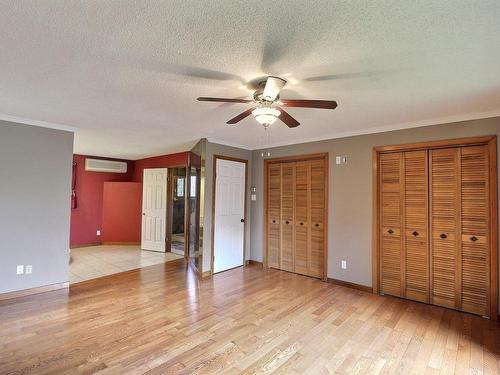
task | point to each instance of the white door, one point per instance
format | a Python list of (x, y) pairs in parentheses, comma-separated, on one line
[(154, 209), (229, 214)]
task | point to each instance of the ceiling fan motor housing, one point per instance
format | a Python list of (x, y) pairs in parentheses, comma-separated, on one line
[(273, 86), (259, 97)]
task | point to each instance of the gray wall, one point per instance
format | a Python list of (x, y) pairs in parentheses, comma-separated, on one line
[(35, 183), (350, 191), (217, 149)]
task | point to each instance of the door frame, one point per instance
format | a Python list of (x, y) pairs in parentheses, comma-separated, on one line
[(323, 156), (214, 186), (187, 213), (170, 207), (491, 142)]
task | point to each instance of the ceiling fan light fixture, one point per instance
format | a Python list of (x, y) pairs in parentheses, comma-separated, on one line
[(266, 115)]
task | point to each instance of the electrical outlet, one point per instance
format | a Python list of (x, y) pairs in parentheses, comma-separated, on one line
[(20, 269), (98, 232), (343, 264), (28, 269)]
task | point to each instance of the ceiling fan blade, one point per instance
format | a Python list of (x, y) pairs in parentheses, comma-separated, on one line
[(304, 103), (287, 119), (223, 100), (241, 116), (272, 88), (198, 72)]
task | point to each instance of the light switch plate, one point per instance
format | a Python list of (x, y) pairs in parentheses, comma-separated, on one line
[(20, 269), (340, 160), (343, 264), (253, 197), (28, 269), (98, 232)]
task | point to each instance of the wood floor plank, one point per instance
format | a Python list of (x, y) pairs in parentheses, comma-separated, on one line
[(164, 320)]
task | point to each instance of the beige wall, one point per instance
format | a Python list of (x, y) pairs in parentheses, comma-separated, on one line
[(217, 149), (350, 191)]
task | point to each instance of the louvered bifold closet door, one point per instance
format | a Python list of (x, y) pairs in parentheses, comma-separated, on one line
[(287, 216), (416, 272), (391, 195), (317, 214), (475, 233), (445, 207), (274, 215), (302, 202)]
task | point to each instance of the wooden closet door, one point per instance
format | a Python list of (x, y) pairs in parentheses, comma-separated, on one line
[(445, 217), (287, 216), (416, 272), (317, 212), (302, 203), (475, 230), (391, 194), (274, 215)]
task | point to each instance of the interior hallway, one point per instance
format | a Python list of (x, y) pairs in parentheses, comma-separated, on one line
[(91, 262)]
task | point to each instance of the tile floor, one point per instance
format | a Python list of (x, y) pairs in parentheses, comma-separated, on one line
[(96, 261)]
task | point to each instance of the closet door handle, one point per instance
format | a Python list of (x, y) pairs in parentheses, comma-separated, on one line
[(415, 233), (274, 221), (443, 236), (474, 238), (287, 222), (316, 225), (301, 223), (390, 231)]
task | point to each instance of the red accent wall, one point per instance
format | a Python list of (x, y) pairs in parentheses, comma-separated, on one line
[(86, 219), (164, 161), (122, 212)]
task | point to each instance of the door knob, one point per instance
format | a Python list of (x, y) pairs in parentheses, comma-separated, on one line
[(474, 238), (443, 236), (301, 223), (274, 221), (415, 233), (390, 231), (287, 222), (242, 220), (143, 214), (316, 225)]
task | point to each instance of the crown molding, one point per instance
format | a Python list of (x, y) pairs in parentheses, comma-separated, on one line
[(387, 128), (374, 130), (43, 124), (230, 144)]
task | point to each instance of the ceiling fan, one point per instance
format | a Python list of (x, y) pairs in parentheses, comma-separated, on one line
[(269, 105)]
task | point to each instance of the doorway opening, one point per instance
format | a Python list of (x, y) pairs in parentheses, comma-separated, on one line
[(177, 222)]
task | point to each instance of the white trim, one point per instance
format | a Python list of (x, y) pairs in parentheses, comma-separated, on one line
[(230, 144), (378, 129), (43, 124), (387, 128)]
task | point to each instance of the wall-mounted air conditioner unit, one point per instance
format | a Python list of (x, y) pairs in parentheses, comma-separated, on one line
[(110, 166)]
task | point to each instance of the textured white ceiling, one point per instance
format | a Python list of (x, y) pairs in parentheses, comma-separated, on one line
[(125, 74)]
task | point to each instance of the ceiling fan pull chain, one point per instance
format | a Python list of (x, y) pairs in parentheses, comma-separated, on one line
[(267, 153)]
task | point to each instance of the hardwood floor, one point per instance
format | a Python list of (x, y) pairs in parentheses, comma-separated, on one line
[(162, 319)]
